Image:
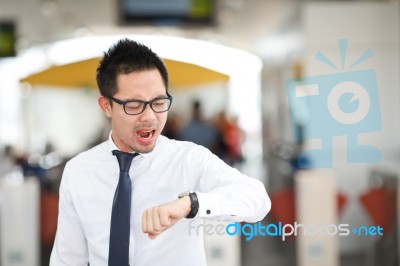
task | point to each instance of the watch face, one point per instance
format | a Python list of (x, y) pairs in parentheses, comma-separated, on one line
[(184, 194), (181, 195)]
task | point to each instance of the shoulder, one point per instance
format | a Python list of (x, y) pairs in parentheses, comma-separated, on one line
[(177, 145), (182, 148), (97, 154)]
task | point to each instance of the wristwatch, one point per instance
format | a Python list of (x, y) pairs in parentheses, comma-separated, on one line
[(194, 203)]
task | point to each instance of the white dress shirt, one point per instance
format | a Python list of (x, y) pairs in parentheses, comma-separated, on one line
[(87, 191)]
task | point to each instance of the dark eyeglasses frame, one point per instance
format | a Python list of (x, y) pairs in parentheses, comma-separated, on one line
[(150, 103)]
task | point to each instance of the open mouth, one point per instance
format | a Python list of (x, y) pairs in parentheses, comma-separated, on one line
[(145, 134)]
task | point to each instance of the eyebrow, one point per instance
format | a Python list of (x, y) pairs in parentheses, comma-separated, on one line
[(136, 99)]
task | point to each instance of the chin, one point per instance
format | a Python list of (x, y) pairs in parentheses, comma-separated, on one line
[(144, 148)]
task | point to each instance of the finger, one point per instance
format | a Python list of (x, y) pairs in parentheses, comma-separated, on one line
[(156, 221), (152, 236), (144, 222), (149, 222)]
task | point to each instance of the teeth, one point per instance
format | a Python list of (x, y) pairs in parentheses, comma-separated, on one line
[(145, 134)]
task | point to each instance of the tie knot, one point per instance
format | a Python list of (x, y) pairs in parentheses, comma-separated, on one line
[(124, 159)]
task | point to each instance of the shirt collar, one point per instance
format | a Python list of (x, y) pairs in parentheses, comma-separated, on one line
[(114, 147)]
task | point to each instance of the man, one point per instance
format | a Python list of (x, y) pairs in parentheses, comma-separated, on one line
[(98, 225)]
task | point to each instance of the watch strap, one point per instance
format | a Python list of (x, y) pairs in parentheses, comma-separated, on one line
[(194, 203)]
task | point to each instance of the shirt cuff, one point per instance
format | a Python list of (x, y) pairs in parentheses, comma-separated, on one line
[(209, 205)]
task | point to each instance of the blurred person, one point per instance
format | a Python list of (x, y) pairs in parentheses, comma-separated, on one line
[(7, 161), (232, 137), (131, 199), (199, 131), (172, 126)]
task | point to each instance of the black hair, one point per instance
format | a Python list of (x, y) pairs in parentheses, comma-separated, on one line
[(124, 57)]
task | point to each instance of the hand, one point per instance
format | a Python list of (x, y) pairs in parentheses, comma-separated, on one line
[(157, 219)]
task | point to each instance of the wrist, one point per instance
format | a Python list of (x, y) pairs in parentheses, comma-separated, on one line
[(187, 205), (194, 203)]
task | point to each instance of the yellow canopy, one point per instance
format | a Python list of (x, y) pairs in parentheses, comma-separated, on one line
[(83, 74)]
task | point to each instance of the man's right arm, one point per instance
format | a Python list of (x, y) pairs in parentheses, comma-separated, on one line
[(70, 247)]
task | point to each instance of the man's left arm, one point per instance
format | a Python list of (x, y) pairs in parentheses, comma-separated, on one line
[(223, 193)]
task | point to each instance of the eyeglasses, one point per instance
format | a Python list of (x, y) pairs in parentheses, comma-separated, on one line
[(135, 107)]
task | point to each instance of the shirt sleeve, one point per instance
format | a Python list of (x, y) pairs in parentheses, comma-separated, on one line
[(225, 194), (70, 247)]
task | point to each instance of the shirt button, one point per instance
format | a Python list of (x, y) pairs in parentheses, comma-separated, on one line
[(208, 211)]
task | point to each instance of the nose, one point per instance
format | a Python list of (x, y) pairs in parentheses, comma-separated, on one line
[(148, 114)]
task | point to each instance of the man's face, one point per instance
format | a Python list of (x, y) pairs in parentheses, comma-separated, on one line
[(137, 133)]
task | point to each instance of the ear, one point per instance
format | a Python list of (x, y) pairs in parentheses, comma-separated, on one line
[(105, 106)]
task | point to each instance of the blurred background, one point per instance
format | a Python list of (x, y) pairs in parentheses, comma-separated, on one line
[(234, 66)]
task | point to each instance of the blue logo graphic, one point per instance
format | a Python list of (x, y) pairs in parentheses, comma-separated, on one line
[(339, 104)]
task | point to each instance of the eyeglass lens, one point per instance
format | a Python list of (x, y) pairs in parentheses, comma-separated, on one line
[(158, 106)]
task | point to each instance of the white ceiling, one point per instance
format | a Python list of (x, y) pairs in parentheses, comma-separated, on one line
[(251, 25), (240, 23)]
